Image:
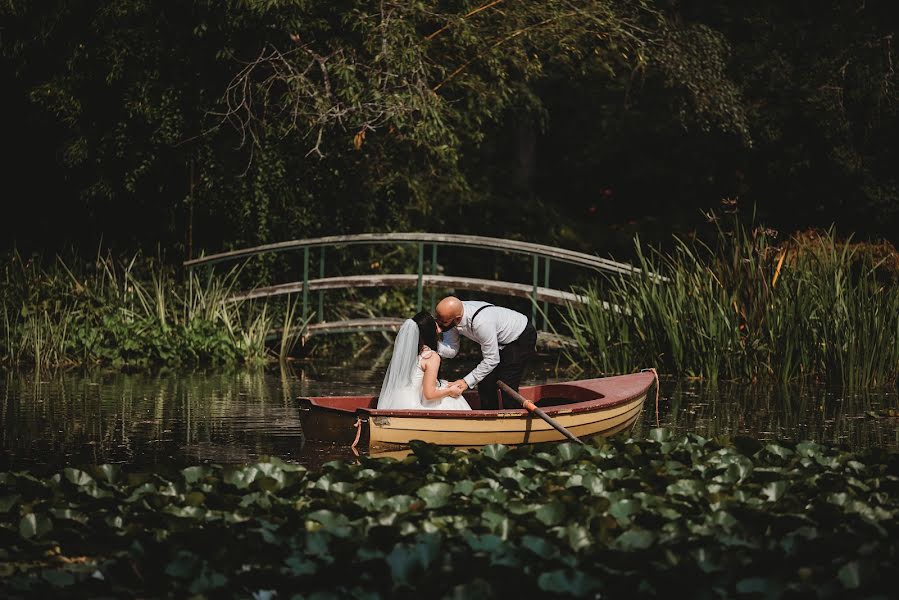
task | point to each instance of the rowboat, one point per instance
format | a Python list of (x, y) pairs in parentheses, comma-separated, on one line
[(586, 407)]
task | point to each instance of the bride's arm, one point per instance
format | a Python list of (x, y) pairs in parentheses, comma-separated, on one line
[(429, 382)]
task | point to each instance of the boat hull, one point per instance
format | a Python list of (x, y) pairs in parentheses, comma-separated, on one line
[(603, 406)]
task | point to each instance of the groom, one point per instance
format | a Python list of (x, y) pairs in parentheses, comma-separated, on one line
[(507, 338)]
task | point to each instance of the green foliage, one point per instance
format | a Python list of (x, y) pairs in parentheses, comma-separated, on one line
[(747, 309), (350, 116), (716, 518), (134, 314)]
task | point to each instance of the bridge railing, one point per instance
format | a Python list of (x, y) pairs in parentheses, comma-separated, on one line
[(420, 280)]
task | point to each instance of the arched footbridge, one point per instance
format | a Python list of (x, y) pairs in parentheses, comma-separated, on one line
[(315, 251)]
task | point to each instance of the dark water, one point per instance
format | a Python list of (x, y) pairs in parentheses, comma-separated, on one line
[(225, 417)]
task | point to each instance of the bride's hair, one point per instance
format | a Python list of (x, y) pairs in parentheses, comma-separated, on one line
[(427, 330)]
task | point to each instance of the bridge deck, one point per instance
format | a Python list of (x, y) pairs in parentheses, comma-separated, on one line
[(443, 239), (505, 288), (544, 338)]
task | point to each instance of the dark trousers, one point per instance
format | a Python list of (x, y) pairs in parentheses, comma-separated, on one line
[(512, 361)]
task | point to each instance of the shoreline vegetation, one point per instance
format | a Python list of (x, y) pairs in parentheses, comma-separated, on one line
[(717, 518), (134, 314), (745, 307)]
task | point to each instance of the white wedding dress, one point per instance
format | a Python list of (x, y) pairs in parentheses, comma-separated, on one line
[(403, 384)]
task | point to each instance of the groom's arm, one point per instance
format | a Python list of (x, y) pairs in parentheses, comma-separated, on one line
[(490, 354), (448, 343)]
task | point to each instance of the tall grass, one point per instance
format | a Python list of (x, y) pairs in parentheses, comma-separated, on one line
[(138, 312), (745, 308)]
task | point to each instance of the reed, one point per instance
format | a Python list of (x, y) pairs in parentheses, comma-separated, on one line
[(745, 308), (138, 312)]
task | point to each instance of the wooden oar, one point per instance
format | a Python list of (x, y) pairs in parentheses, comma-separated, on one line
[(531, 407)]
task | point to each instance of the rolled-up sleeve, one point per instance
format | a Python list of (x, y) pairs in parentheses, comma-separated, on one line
[(490, 352), (448, 343)]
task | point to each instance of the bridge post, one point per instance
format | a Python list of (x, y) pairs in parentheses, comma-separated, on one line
[(534, 292), (433, 272), (321, 293), (421, 269), (546, 285), (305, 281)]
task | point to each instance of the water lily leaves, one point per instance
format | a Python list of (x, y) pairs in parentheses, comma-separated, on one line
[(718, 517), (68, 514), (578, 536), (540, 546), (7, 501), (634, 539), (299, 565), (850, 575), (496, 522), (779, 451), (774, 490), (690, 488), (624, 509), (767, 587), (77, 477), (34, 525), (408, 560), (334, 523), (568, 582), (56, 578), (106, 473), (660, 434), (435, 495), (194, 474), (464, 487), (568, 451), (550, 513), (495, 451)]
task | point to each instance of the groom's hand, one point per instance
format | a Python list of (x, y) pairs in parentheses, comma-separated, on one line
[(461, 383)]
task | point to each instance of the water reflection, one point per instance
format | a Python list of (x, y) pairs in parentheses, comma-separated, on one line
[(78, 418)]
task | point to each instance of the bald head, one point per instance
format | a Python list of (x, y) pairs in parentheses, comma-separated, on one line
[(448, 310)]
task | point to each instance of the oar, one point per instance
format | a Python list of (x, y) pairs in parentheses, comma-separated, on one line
[(531, 407)]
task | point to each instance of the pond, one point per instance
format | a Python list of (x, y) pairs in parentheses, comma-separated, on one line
[(177, 419)]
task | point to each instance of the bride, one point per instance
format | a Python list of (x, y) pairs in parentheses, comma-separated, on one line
[(411, 382)]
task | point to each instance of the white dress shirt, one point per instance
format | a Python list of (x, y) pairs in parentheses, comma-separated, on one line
[(493, 329)]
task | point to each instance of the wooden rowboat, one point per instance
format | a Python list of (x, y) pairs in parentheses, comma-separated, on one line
[(585, 407)]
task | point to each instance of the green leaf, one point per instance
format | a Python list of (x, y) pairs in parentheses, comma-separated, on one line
[(779, 451), (34, 525), (539, 546), (495, 451), (569, 451), (578, 536), (624, 509), (775, 490), (568, 582), (68, 514), (635, 539), (550, 513), (183, 566), (334, 523), (194, 474), (300, 565), (77, 477), (58, 578), (660, 434), (8, 501), (850, 575), (406, 561), (435, 495)]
